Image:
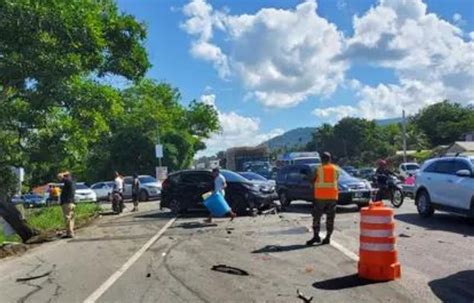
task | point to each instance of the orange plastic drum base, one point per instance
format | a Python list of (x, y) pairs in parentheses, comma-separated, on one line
[(379, 272)]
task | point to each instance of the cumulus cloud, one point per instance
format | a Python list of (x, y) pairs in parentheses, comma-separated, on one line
[(428, 54), (285, 56), (281, 56), (236, 130)]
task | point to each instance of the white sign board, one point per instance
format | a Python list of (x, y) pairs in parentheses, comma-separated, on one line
[(159, 150), (161, 173)]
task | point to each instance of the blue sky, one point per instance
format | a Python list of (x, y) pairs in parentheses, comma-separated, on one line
[(271, 66)]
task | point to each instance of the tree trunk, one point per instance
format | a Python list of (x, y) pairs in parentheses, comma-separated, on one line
[(13, 217)]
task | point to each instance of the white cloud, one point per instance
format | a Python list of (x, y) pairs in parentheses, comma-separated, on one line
[(281, 56), (428, 54), (334, 114), (236, 130), (458, 20)]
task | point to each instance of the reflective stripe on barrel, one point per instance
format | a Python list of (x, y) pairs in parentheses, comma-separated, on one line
[(377, 246), (376, 219), (382, 233)]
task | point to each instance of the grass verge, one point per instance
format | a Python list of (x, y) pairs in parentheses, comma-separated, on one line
[(51, 218)]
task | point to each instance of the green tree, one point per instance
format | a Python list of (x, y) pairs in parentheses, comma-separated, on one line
[(444, 122), (52, 56)]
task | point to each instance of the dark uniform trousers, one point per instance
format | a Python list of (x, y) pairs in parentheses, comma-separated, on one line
[(321, 207)]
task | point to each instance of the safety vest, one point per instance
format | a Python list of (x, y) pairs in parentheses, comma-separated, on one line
[(325, 187)]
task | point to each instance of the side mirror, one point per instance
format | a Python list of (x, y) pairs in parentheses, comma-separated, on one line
[(463, 173)]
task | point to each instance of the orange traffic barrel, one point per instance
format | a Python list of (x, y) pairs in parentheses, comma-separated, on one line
[(378, 259)]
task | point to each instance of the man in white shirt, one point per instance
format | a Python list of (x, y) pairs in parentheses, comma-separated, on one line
[(219, 187), (118, 184)]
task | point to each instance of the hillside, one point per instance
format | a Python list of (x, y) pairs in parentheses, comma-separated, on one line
[(294, 137), (385, 122)]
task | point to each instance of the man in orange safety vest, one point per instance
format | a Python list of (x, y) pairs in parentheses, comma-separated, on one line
[(326, 195)]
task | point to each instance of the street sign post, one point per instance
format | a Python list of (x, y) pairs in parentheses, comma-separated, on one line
[(161, 173)]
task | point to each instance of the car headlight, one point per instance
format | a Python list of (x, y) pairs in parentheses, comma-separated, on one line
[(343, 187), (367, 184)]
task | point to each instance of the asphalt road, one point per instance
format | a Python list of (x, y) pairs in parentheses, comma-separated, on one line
[(436, 256)]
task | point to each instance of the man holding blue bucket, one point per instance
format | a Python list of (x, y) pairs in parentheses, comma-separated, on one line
[(218, 197)]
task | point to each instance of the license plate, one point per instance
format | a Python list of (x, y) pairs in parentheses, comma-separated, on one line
[(358, 195)]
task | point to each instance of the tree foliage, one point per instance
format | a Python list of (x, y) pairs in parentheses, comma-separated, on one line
[(56, 112), (445, 122)]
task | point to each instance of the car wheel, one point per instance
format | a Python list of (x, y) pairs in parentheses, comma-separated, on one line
[(239, 205), (176, 207), (397, 198), (423, 204), (143, 195), (284, 201)]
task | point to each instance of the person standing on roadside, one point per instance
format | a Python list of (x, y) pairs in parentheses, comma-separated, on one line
[(67, 202), (326, 194), (118, 184), (135, 191)]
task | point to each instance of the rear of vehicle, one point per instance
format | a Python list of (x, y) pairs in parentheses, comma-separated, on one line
[(408, 169), (84, 194), (149, 188), (446, 184), (34, 200)]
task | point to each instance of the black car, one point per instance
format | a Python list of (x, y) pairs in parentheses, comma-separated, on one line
[(296, 182), (183, 190), (351, 170)]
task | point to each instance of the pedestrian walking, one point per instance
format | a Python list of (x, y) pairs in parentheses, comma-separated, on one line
[(67, 202), (219, 188), (326, 195), (135, 191)]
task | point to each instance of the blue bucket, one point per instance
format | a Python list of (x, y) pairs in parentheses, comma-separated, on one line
[(217, 205)]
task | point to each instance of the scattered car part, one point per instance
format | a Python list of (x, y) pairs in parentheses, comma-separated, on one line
[(229, 270)]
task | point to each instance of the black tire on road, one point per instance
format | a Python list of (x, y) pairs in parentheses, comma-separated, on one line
[(143, 195), (397, 198), (423, 204), (284, 201), (239, 205)]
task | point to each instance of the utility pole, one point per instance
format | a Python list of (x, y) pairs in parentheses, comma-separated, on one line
[(404, 127)]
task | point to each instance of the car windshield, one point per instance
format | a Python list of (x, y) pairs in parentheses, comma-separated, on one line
[(307, 161), (147, 179), (253, 176), (81, 186), (412, 166), (233, 177), (343, 174)]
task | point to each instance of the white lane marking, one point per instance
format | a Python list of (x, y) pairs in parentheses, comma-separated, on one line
[(345, 251), (115, 276)]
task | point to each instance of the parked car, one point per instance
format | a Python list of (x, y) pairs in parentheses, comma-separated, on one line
[(30, 200), (84, 194), (351, 170), (184, 189), (149, 188), (296, 182), (446, 184), (103, 190), (366, 173), (407, 169)]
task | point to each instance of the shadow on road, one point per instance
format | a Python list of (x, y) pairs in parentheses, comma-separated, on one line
[(441, 222), (193, 225), (279, 248), (156, 215), (340, 283), (306, 207), (455, 288), (108, 213)]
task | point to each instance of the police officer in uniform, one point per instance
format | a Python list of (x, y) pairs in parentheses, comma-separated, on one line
[(326, 195)]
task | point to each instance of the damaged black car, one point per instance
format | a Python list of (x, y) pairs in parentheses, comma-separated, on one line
[(183, 190)]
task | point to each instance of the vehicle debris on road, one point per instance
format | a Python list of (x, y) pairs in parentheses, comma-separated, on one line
[(303, 297), (229, 270), (34, 277)]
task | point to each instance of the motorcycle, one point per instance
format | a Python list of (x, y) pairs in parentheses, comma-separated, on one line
[(117, 202), (393, 191)]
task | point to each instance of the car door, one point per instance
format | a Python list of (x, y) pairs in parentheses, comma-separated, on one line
[(306, 184), (127, 187), (293, 183), (193, 185), (462, 187), (443, 182), (430, 178), (98, 189)]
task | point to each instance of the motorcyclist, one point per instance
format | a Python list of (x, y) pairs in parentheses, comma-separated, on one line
[(381, 177)]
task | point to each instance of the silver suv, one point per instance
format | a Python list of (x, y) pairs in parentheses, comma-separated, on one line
[(446, 184)]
